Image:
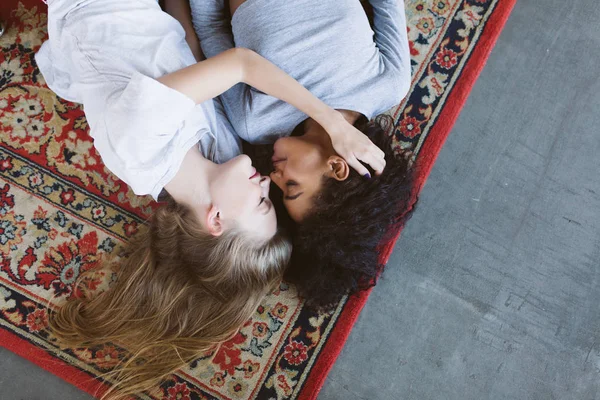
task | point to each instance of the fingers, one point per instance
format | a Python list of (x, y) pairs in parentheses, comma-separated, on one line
[(361, 169), (371, 147), (374, 157), (376, 163), (359, 147), (378, 152)]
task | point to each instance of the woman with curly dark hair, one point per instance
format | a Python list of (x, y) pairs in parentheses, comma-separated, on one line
[(342, 218)]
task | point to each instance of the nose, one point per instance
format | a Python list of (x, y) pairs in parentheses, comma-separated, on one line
[(265, 181), (277, 178), (243, 161), (265, 185)]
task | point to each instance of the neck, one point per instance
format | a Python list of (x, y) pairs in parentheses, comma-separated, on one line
[(190, 185)]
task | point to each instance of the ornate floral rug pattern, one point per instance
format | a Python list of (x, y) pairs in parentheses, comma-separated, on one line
[(62, 213)]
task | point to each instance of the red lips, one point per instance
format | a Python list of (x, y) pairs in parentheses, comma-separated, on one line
[(255, 174)]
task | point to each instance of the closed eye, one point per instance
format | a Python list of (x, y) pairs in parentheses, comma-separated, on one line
[(289, 184), (294, 197)]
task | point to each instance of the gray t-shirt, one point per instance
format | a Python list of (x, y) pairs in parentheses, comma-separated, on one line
[(327, 45)]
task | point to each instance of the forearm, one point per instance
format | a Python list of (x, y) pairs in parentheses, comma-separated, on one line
[(180, 10), (207, 79), (389, 25), (210, 78), (268, 78)]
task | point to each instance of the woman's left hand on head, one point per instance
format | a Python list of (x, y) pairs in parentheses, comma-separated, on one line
[(354, 146)]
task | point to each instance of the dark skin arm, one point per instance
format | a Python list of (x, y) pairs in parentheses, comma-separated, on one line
[(180, 10), (234, 4)]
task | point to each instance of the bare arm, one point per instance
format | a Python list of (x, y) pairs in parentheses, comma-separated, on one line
[(208, 79), (180, 10)]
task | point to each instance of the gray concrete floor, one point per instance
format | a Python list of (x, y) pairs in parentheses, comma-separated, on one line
[(493, 290)]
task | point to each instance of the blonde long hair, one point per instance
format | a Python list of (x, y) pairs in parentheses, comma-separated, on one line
[(179, 293)]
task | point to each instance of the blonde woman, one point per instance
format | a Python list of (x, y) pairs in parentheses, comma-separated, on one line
[(212, 251)]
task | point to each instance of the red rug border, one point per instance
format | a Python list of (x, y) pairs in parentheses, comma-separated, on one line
[(42, 358), (355, 304), (437, 138)]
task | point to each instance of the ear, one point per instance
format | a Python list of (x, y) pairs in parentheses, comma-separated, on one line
[(214, 222), (338, 168)]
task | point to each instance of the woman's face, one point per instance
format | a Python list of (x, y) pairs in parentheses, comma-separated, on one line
[(241, 196), (299, 166)]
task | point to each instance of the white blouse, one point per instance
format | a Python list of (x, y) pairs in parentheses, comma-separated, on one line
[(106, 55)]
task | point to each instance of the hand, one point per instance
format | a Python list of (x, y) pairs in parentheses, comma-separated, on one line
[(353, 145)]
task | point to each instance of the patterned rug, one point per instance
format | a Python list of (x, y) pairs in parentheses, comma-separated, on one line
[(62, 212)]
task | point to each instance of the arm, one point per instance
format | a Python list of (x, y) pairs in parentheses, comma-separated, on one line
[(180, 10), (389, 24), (213, 25), (208, 79)]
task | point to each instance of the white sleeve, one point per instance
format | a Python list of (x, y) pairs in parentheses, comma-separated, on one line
[(145, 133)]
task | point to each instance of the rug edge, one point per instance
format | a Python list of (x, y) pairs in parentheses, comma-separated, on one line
[(448, 116), (40, 357)]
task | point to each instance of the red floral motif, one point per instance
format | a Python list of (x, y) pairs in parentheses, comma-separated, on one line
[(260, 329), (98, 212), (279, 311), (218, 380), (40, 213), (178, 392), (67, 196), (410, 127), (425, 25), (130, 228), (295, 353), (20, 277), (52, 234), (90, 282), (107, 357), (420, 6), (411, 45), (6, 164), (237, 386), (250, 369), (446, 58), (284, 385), (37, 320), (62, 266), (228, 355), (36, 180), (6, 200)]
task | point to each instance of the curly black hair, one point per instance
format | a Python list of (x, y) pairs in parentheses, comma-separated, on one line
[(336, 247)]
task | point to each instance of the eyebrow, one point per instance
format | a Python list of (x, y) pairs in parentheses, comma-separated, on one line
[(294, 197)]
